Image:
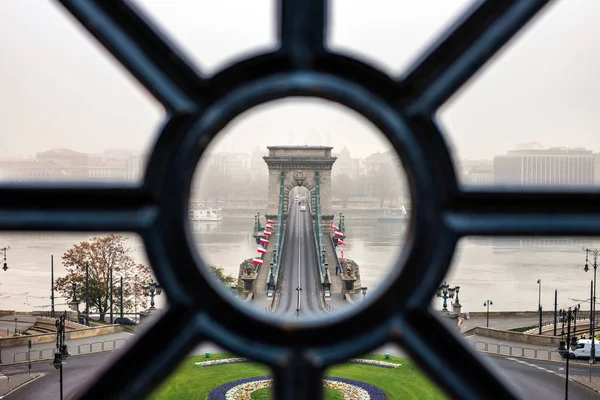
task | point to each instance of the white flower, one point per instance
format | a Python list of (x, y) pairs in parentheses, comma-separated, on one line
[(222, 361), (374, 362)]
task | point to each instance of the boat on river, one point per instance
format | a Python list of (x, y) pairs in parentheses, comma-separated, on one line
[(394, 216), (200, 212)]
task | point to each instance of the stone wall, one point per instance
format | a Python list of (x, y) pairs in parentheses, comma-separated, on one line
[(541, 340), (51, 337), (299, 163)]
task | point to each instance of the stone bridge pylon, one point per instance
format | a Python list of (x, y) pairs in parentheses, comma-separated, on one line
[(299, 165)]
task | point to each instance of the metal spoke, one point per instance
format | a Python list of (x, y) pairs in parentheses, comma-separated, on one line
[(436, 350), (520, 212), (157, 64), (298, 379), (147, 363), (302, 25), (463, 49), (74, 208)]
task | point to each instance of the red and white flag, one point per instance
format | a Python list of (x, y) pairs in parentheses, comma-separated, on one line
[(340, 241), (334, 227), (264, 241), (269, 227), (342, 253), (266, 233), (262, 250), (338, 234), (257, 261), (270, 221)]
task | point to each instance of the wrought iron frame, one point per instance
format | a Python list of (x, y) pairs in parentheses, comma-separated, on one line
[(404, 110)]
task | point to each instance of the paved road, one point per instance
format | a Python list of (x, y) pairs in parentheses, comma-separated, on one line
[(77, 372), (300, 268), (531, 379), (531, 382)]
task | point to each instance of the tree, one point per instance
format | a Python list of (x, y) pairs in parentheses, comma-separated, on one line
[(103, 254), (227, 280), (343, 187), (219, 272)]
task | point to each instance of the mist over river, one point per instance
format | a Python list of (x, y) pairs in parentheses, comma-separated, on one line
[(502, 270)]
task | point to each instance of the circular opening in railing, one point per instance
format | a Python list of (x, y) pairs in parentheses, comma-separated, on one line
[(300, 208)]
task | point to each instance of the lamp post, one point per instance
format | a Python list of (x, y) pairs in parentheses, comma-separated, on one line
[(446, 292), (87, 293), (135, 286), (16, 325), (594, 253), (487, 304), (571, 343), (364, 291), (5, 265), (150, 290), (121, 299), (61, 354), (111, 295), (539, 282)]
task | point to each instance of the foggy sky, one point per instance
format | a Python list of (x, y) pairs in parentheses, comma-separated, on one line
[(61, 89)]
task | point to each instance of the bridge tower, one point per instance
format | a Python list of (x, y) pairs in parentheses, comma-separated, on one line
[(299, 165)]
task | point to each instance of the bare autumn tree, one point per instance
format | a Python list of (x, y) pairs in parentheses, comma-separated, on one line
[(103, 254)]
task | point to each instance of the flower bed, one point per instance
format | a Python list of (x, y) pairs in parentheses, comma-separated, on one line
[(376, 363), (223, 361), (243, 389)]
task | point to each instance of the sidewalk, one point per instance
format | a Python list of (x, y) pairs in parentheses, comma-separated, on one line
[(594, 384), (10, 383)]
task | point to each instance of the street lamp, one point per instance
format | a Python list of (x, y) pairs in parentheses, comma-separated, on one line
[(364, 291), (87, 293), (15, 326), (150, 290), (569, 315), (539, 282), (61, 354), (4, 249), (487, 304), (594, 253), (446, 292)]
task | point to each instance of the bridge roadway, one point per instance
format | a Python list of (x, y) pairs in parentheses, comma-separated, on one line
[(300, 268)]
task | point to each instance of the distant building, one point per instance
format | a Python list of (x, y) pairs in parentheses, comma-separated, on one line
[(345, 164), (73, 163), (134, 167), (479, 175), (30, 169), (556, 166), (106, 170)]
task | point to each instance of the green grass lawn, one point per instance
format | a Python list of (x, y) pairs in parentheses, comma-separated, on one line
[(191, 381), (265, 394)]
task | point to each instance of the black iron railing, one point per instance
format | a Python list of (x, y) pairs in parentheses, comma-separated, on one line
[(402, 108)]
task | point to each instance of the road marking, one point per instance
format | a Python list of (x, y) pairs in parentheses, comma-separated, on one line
[(535, 366)]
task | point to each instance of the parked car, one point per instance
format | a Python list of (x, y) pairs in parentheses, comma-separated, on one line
[(125, 321)]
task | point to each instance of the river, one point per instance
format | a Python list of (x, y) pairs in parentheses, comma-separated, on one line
[(502, 270)]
